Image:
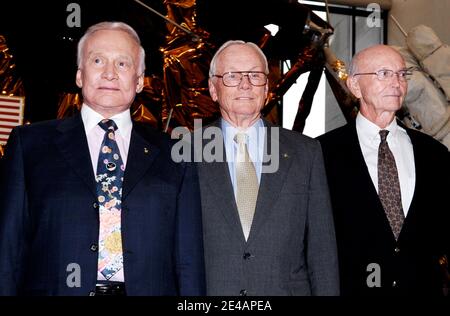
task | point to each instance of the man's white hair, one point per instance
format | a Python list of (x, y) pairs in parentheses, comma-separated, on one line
[(118, 26), (213, 65)]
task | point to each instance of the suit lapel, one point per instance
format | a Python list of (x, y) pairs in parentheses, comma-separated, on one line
[(217, 178), (420, 178), (271, 183), (219, 182), (141, 154), (72, 143), (357, 162)]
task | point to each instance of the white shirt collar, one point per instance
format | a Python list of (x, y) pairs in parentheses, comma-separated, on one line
[(231, 131), (369, 131), (91, 119)]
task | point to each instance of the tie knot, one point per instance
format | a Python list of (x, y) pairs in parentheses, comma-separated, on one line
[(108, 125), (240, 138), (383, 134)]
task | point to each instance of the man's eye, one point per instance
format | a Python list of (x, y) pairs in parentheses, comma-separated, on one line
[(384, 73), (232, 76), (98, 61), (123, 64)]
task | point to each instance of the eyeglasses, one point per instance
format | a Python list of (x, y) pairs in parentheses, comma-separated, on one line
[(384, 74), (234, 78)]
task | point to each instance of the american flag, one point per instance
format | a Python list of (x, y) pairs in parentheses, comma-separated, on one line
[(11, 115)]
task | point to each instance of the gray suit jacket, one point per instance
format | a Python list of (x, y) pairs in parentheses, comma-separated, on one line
[(291, 249)]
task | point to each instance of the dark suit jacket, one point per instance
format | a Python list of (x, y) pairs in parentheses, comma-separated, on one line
[(291, 248), (409, 265), (49, 218)]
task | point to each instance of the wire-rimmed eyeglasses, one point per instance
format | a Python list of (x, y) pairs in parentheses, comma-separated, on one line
[(234, 78), (384, 74)]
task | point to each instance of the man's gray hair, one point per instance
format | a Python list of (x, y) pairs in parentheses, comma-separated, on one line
[(213, 65), (118, 26)]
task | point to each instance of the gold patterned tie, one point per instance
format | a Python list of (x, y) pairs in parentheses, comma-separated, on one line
[(389, 186), (246, 184)]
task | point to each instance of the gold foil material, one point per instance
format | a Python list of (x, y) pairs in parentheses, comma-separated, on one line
[(10, 83), (186, 67), (147, 106), (336, 64), (69, 104)]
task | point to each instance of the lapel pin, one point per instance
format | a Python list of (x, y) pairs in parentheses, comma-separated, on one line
[(146, 151), (285, 155)]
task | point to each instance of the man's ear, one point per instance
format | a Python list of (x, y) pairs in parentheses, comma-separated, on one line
[(78, 78), (212, 90), (353, 86), (140, 83)]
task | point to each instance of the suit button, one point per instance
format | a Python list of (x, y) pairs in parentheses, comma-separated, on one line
[(397, 250), (243, 293), (91, 293), (394, 284), (94, 247), (95, 205), (246, 256)]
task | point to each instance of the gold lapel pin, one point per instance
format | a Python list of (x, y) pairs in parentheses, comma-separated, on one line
[(146, 151)]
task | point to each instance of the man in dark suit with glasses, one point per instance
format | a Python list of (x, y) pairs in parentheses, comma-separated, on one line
[(389, 187)]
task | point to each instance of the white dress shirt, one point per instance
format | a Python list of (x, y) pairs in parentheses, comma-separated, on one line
[(95, 135), (402, 149), (256, 134)]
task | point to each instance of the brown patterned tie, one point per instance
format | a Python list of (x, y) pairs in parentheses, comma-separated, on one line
[(389, 186), (246, 184)]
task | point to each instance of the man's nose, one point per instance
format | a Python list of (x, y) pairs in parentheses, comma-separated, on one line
[(395, 80), (109, 72), (245, 82)]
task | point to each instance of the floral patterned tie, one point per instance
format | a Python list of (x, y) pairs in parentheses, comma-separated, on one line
[(109, 178), (389, 186)]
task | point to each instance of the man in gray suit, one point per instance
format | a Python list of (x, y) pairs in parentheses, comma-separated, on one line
[(268, 226)]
